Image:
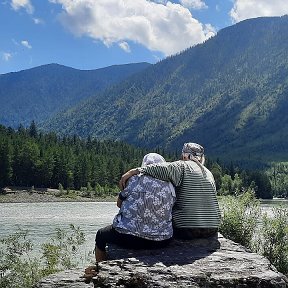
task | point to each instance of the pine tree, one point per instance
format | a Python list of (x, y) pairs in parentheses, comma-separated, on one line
[(6, 170)]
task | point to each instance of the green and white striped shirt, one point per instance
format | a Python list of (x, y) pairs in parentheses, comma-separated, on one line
[(196, 203)]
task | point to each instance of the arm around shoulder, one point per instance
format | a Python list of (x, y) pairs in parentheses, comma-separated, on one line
[(126, 176)]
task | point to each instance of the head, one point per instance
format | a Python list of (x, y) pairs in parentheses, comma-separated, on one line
[(152, 158), (191, 151)]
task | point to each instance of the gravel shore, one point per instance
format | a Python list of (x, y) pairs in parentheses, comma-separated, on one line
[(35, 197)]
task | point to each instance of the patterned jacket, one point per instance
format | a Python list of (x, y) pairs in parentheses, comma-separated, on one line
[(147, 208)]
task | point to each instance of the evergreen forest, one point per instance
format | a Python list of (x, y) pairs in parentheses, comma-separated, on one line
[(29, 158)]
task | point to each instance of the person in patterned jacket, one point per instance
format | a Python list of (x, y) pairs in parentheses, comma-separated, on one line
[(145, 216)]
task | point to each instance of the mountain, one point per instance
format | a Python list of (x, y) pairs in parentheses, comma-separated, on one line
[(229, 94), (38, 93)]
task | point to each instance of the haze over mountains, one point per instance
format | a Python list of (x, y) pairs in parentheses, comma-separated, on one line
[(229, 94), (38, 93)]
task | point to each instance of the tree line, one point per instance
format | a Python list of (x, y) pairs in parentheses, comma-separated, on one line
[(32, 158), (231, 180), (29, 158)]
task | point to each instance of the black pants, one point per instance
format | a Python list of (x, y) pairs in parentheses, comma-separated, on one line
[(192, 233), (110, 235)]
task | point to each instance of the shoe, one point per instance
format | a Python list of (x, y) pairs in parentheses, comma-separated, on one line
[(90, 272)]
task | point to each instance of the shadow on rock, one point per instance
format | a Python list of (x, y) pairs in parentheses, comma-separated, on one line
[(179, 252)]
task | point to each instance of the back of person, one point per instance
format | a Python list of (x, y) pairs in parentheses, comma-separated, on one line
[(144, 220), (196, 205), (147, 209)]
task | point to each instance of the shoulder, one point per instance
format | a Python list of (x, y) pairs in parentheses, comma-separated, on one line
[(132, 181), (176, 164), (145, 180), (151, 180), (208, 171)]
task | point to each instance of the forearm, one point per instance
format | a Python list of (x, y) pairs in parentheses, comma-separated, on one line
[(120, 199), (168, 172), (119, 202), (126, 176), (156, 172)]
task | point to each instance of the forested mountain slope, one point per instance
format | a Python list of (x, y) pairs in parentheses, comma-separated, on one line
[(38, 93), (229, 94)]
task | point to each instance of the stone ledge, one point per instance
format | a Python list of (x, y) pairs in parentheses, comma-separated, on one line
[(197, 263)]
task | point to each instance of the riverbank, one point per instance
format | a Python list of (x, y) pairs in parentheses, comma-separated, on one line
[(22, 195), (33, 196)]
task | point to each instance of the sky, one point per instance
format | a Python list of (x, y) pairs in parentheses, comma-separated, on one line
[(91, 34)]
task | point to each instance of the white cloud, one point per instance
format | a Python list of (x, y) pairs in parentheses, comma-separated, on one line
[(25, 4), (161, 1), (38, 21), (166, 27), (26, 44), (244, 9), (209, 30), (125, 47), (194, 4), (6, 56)]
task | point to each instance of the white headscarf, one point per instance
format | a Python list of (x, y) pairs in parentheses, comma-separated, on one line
[(152, 158), (155, 158)]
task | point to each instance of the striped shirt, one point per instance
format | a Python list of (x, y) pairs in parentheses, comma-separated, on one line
[(146, 210), (196, 203)]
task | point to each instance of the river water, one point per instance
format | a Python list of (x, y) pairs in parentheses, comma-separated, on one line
[(267, 205), (41, 219)]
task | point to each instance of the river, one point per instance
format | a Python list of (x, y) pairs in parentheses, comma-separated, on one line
[(267, 205), (41, 219)]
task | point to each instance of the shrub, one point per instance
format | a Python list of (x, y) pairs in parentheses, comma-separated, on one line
[(61, 252), (272, 241), (240, 215), (243, 222), (19, 269)]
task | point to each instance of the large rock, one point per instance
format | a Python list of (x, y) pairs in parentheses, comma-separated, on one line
[(198, 263)]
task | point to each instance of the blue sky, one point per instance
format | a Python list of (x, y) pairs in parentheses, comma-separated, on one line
[(90, 34)]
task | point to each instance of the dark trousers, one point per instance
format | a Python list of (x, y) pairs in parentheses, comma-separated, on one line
[(192, 233), (108, 235)]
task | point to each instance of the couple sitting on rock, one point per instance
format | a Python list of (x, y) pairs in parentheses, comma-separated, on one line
[(163, 199)]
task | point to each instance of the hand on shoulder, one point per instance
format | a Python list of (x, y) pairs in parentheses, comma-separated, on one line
[(126, 176)]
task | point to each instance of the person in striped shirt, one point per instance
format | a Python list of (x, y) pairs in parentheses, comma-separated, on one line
[(196, 213)]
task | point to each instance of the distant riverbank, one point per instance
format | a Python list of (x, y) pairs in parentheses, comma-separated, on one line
[(24, 196), (52, 195)]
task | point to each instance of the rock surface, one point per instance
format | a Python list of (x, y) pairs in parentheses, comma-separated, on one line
[(197, 263)]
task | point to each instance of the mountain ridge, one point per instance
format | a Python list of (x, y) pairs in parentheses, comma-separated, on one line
[(39, 92), (229, 94), (226, 93)]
